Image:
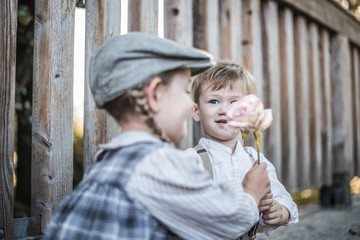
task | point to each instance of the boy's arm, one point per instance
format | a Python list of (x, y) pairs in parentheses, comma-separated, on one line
[(188, 202)]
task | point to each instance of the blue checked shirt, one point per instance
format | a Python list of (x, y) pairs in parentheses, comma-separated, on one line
[(142, 188)]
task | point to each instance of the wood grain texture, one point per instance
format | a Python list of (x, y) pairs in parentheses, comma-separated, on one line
[(52, 118), (355, 54), (342, 144), (8, 25), (315, 106), (143, 16), (329, 14), (102, 23), (272, 84), (179, 25), (288, 106), (302, 102), (252, 42), (326, 96)]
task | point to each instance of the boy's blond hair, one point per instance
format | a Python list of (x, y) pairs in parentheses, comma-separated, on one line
[(224, 74)]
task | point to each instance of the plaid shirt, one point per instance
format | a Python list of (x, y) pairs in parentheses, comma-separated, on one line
[(142, 188)]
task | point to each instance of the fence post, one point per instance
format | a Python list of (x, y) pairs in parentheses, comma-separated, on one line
[(52, 132), (143, 16), (179, 25), (252, 42), (272, 140), (302, 100), (288, 106), (102, 22), (315, 106), (326, 124), (356, 108), (8, 25), (342, 144)]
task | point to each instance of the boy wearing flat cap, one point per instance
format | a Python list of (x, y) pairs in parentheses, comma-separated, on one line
[(141, 186)]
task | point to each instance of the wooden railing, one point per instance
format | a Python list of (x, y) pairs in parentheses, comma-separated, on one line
[(304, 56)]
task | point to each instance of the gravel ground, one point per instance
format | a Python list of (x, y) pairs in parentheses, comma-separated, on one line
[(322, 224)]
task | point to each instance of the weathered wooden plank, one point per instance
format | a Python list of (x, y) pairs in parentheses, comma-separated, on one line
[(272, 138), (178, 17), (326, 121), (102, 23), (236, 31), (206, 28), (225, 29), (302, 101), (341, 105), (143, 16), (288, 114), (251, 41), (52, 132), (329, 14), (315, 106), (206, 36), (8, 25), (356, 108)]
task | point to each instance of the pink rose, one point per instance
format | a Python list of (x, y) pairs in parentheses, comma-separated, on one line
[(265, 120), (248, 113)]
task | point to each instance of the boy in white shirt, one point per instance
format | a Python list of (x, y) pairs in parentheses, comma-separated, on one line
[(220, 149)]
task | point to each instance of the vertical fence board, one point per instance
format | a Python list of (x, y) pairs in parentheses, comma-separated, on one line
[(341, 105), (272, 137), (326, 122), (143, 16), (178, 27), (236, 31), (302, 100), (205, 36), (206, 28), (102, 22), (356, 108), (315, 106), (52, 133), (288, 121), (230, 29), (8, 24), (225, 28), (251, 41)]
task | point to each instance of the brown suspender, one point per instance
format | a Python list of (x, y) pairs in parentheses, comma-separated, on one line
[(205, 158)]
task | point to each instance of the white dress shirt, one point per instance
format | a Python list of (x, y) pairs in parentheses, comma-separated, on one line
[(176, 190), (227, 165)]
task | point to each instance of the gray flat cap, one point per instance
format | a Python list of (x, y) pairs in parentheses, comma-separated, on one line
[(125, 61)]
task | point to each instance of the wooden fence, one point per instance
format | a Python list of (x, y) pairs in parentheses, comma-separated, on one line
[(304, 55)]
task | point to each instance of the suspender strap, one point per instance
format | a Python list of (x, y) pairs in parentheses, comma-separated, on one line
[(250, 155), (205, 158)]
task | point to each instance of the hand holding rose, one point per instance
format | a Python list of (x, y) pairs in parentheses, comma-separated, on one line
[(274, 213)]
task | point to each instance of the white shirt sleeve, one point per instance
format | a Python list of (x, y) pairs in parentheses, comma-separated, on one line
[(281, 195), (176, 189)]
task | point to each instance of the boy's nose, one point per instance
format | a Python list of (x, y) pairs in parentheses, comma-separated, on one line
[(222, 108)]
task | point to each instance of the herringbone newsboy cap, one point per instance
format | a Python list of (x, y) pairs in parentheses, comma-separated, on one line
[(128, 60)]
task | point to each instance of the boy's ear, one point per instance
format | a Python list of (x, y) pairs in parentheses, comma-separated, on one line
[(152, 93), (195, 112)]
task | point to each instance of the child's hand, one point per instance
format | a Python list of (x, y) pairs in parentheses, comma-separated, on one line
[(274, 213), (256, 182)]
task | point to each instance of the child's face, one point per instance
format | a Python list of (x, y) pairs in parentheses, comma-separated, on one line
[(175, 106), (211, 112)]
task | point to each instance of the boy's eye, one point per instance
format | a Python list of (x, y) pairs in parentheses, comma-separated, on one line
[(213, 101), (233, 101)]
